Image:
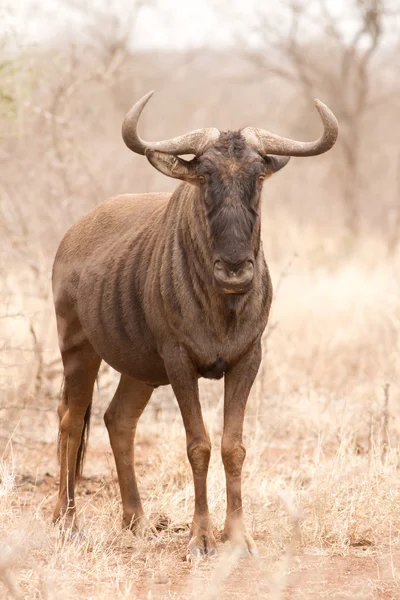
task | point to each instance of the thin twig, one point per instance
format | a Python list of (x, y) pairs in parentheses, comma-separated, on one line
[(385, 422)]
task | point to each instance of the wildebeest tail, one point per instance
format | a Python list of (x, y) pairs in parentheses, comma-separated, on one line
[(85, 431), (84, 441)]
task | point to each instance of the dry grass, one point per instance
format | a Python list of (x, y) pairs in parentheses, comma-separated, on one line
[(322, 433)]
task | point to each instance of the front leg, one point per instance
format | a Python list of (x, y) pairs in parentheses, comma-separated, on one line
[(183, 377), (238, 383)]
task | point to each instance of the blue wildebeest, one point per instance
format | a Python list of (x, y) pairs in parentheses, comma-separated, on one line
[(167, 288)]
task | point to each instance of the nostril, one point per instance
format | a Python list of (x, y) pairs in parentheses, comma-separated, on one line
[(233, 278), (250, 266)]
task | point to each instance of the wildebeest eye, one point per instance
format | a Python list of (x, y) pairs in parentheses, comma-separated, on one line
[(201, 179), (261, 178)]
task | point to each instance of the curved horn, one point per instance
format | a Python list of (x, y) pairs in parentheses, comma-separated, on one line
[(195, 142), (268, 143)]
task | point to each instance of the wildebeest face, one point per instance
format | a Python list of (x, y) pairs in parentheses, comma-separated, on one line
[(229, 176)]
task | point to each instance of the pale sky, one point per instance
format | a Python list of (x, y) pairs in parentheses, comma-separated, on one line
[(165, 24), (168, 23)]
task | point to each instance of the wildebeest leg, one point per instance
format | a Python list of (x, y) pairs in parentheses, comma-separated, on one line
[(81, 364), (238, 382), (183, 378), (121, 417)]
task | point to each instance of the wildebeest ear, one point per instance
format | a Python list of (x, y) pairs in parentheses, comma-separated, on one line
[(274, 163), (173, 166)]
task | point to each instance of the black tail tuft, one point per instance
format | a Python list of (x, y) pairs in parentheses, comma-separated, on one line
[(62, 408), (84, 442), (85, 433)]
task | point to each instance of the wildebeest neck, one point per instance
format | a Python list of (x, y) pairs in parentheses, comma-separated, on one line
[(185, 281)]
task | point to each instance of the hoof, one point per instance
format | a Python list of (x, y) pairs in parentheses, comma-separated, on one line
[(141, 528), (201, 547), (242, 543), (67, 523)]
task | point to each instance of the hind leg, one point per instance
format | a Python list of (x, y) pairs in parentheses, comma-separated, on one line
[(121, 418), (81, 365)]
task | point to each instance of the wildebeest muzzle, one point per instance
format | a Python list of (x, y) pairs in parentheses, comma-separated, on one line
[(233, 278)]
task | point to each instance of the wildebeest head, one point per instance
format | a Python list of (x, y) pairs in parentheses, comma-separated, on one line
[(229, 176), (228, 169)]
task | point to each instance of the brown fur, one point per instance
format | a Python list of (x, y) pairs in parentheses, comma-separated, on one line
[(134, 285)]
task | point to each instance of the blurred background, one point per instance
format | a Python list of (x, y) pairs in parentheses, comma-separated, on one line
[(71, 69)]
